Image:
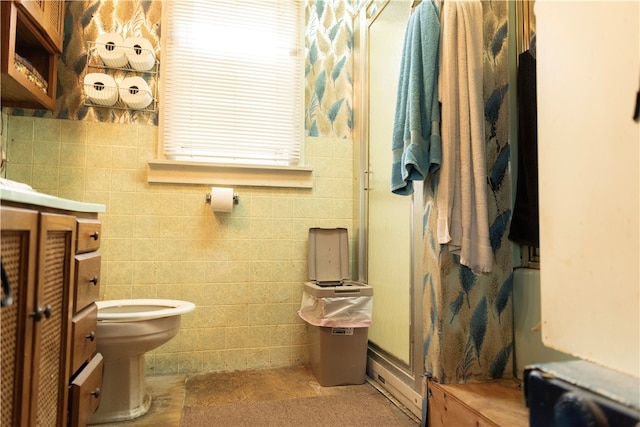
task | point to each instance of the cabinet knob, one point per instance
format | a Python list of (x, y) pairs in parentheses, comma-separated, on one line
[(94, 280), (91, 336), (40, 313), (96, 393), (95, 235)]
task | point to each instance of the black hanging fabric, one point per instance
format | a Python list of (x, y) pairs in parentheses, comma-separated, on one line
[(636, 110), (525, 219), (7, 298)]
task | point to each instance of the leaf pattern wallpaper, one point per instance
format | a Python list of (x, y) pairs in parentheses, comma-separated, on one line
[(328, 68), (328, 63), (469, 326)]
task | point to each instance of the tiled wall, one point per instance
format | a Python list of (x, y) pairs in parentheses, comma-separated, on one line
[(245, 269)]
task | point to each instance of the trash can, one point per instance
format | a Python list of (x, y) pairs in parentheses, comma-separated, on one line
[(338, 320), (337, 311)]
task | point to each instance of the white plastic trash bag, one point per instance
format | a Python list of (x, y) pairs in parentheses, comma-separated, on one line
[(337, 312)]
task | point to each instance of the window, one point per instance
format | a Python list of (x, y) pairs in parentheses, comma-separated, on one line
[(231, 96)]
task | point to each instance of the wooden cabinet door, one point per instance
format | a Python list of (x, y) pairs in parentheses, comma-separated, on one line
[(49, 16), (51, 339), (18, 248)]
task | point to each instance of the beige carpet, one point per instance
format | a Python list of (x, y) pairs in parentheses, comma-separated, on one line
[(332, 411)]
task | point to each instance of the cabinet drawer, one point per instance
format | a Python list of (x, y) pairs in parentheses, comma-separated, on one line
[(87, 289), (88, 235), (85, 392), (83, 328)]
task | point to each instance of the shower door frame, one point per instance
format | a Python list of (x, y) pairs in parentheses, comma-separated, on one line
[(402, 380)]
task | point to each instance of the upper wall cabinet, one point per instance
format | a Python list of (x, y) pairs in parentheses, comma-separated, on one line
[(48, 16), (31, 39)]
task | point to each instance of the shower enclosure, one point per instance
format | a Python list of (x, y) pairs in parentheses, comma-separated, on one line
[(390, 238)]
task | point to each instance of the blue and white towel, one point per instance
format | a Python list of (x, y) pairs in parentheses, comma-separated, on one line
[(416, 144)]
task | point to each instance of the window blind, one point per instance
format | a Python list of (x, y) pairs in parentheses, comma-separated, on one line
[(232, 79)]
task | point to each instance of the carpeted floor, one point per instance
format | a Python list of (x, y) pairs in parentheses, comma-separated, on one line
[(348, 410), (272, 397), (285, 397)]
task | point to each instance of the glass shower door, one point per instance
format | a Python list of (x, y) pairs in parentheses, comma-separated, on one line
[(389, 217)]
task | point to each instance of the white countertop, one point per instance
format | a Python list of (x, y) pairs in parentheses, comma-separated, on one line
[(25, 195)]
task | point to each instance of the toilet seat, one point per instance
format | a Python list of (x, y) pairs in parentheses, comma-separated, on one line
[(128, 310)]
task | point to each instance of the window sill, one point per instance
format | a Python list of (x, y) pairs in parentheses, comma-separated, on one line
[(176, 172)]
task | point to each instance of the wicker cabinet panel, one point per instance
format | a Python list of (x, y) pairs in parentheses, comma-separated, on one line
[(18, 248), (51, 349)]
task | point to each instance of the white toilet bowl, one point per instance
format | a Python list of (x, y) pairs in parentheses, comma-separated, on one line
[(127, 329)]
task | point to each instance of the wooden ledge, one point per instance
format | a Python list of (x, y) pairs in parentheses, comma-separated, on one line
[(497, 403)]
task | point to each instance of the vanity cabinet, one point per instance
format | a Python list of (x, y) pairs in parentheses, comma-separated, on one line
[(43, 353), (31, 37)]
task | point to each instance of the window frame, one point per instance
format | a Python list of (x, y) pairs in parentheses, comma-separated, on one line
[(164, 171)]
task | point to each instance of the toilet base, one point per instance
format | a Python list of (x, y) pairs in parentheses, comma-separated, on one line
[(124, 394)]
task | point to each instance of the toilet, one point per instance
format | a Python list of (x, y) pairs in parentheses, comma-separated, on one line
[(127, 329)]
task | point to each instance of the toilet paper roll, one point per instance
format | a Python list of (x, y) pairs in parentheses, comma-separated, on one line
[(135, 92), (110, 48), (100, 89), (221, 199), (139, 53)]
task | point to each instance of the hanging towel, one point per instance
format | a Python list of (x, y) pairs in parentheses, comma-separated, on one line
[(525, 227), (416, 139), (463, 219)]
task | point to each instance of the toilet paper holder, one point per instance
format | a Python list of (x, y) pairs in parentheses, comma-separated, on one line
[(236, 198)]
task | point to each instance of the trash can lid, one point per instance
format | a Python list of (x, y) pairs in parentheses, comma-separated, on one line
[(328, 255)]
